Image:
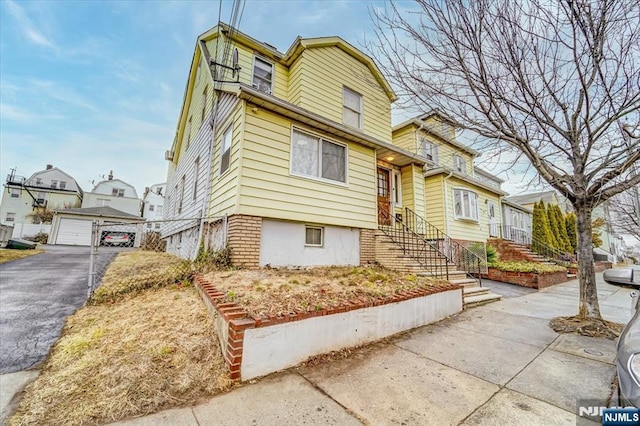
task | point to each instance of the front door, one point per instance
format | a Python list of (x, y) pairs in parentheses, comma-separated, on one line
[(493, 220), (384, 196)]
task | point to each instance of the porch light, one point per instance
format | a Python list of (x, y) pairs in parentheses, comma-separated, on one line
[(390, 158)]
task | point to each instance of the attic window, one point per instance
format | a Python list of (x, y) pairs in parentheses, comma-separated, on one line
[(262, 75), (352, 108), (54, 184), (459, 164), (117, 192), (63, 184), (429, 150)]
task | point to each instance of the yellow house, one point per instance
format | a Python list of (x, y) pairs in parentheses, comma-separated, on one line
[(286, 156), (461, 200)]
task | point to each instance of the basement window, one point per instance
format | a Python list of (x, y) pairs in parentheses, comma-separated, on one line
[(314, 236)]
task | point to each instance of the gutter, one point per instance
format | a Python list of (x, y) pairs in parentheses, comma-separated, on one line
[(446, 202)]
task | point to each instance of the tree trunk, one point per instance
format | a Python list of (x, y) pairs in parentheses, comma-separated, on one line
[(589, 307)]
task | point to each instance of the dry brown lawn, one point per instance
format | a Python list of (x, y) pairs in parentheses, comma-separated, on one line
[(7, 255), (150, 350), (280, 291)]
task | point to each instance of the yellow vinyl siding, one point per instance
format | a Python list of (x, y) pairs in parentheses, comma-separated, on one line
[(223, 193), (324, 71), (469, 230), (406, 138), (413, 189), (434, 202), (441, 126), (245, 62), (268, 189), (446, 152), (295, 82)]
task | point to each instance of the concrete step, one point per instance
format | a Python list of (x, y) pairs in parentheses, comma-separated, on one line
[(474, 291), (483, 299), (464, 282)]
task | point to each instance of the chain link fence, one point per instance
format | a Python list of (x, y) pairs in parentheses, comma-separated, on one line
[(160, 251)]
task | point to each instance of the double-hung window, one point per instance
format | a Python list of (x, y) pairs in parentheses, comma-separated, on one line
[(351, 108), (429, 150), (465, 204), (196, 173), (225, 150), (262, 75), (459, 163), (316, 157)]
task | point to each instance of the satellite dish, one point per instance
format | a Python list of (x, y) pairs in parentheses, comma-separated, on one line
[(235, 61)]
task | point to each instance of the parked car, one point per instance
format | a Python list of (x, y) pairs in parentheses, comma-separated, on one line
[(628, 276), (123, 239), (628, 358)]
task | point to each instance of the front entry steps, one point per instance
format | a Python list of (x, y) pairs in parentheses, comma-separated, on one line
[(473, 296)]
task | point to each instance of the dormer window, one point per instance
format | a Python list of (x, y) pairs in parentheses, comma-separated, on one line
[(352, 108), (459, 164), (262, 75), (429, 150)]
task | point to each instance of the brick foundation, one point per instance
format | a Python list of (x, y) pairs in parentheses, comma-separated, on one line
[(367, 246), (509, 252), (244, 240), (528, 279)]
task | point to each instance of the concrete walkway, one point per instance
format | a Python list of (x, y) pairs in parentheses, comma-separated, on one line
[(492, 365)]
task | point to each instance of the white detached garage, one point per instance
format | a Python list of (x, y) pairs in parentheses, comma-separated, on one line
[(73, 226)]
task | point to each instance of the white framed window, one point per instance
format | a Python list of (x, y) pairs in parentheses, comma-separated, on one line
[(465, 204), (38, 181), (11, 217), (117, 192), (196, 172), (396, 188), (315, 157), (262, 75), (204, 104), (54, 183), (225, 150), (15, 193), (149, 225), (181, 200), (151, 207), (157, 226), (159, 211), (314, 236), (189, 132), (429, 150), (63, 184), (351, 108), (459, 163)]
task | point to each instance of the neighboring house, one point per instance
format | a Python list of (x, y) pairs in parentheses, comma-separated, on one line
[(549, 197), (288, 156), (153, 205), (516, 222), (74, 226), (51, 189), (113, 193), (612, 243), (459, 199)]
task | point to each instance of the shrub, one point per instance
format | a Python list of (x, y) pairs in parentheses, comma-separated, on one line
[(537, 268), (40, 237), (492, 255)]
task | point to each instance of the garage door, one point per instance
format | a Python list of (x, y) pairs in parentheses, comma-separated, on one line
[(76, 232)]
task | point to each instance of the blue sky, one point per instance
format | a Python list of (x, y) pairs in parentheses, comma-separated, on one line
[(94, 86)]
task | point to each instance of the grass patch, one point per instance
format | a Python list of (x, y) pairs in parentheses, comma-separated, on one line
[(135, 271), (7, 255), (280, 291), (152, 350), (538, 268)]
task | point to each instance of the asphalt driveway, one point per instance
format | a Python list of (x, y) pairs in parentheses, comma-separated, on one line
[(37, 294)]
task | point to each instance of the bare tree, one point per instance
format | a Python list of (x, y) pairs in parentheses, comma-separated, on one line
[(550, 78)]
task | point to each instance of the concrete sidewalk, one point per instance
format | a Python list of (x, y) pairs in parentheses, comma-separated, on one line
[(492, 365)]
